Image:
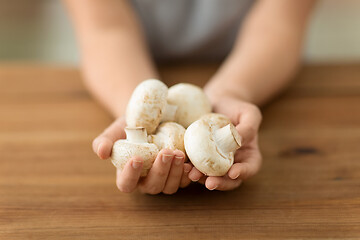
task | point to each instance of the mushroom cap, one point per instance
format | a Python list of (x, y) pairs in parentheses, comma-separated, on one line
[(203, 151), (124, 150), (191, 101), (217, 119), (169, 135), (146, 105)]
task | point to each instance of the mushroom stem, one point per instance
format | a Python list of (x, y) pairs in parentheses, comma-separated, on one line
[(227, 138), (169, 113), (136, 134)]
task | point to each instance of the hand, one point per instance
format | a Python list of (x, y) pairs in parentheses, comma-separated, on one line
[(247, 161), (168, 173)]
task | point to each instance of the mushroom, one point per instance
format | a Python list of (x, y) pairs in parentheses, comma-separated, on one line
[(210, 146), (217, 119), (169, 135), (135, 144), (147, 106), (191, 103)]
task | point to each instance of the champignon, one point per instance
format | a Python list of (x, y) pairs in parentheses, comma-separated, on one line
[(147, 106), (210, 146), (135, 144), (169, 135), (191, 103), (218, 120)]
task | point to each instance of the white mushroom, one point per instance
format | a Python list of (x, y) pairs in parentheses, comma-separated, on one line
[(210, 147), (135, 144), (148, 106), (169, 135), (191, 101), (218, 120)]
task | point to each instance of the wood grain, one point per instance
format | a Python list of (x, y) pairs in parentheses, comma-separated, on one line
[(53, 187)]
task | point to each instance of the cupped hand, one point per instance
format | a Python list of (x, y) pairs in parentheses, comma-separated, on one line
[(247, 160), (167, 174)]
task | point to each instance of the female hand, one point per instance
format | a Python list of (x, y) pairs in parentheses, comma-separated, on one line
[(247, 118), (167, 174)]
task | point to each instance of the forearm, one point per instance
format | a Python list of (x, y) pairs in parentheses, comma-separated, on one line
[(113, 51), (266, 54)]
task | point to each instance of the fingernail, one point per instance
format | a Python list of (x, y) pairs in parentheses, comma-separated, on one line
[(136, 164), (102, 155), (94, 144), (179, 160), (213, 188), (236, 176), (187, 168), (98, 148), (166, 158), (196, 180)]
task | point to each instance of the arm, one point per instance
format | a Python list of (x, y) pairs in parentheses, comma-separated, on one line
[(267, 52), (263, 60), (114, 55), (114, 61)]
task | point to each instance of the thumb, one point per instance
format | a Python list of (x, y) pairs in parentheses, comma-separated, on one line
[(102, 145), (249, 123)]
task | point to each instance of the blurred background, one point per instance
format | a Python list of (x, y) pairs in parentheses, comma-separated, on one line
[(39, 30)]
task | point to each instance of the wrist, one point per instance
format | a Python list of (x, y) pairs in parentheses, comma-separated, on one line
[(216, 90)]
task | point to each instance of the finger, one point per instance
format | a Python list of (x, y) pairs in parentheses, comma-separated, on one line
[(247, 163), (127, 179), (249, 167), (185, 180), (102, 144), (104, 147), (155, 181), (177, 167), (195, 174), (249, 122), (222, 183)]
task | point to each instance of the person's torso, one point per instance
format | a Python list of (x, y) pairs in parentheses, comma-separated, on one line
[(191, 29)]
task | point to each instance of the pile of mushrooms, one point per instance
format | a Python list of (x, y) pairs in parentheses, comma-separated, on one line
[(156, 118)]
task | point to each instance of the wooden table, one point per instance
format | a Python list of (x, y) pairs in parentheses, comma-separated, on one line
[(53, 187)]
